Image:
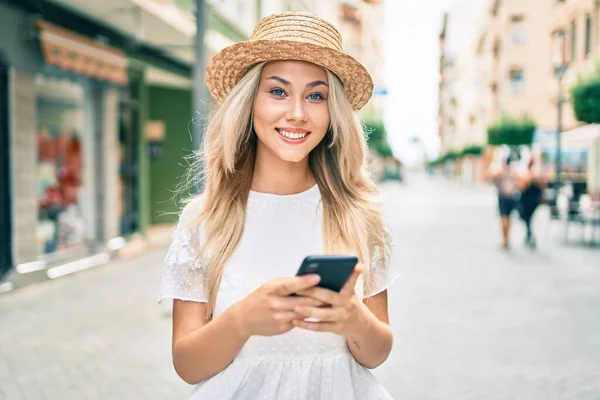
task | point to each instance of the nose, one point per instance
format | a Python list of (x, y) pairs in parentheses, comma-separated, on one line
[(297, 111)]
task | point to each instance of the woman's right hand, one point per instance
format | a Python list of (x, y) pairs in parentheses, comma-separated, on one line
[(269, 310)]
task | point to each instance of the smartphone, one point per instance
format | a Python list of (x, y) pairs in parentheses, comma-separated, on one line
[(334, 270)]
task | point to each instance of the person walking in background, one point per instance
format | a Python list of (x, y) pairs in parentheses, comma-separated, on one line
[(532, 186), (506, 180)]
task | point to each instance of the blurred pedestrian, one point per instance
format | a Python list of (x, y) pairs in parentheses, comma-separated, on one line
[(283, 160), (506, 180), (532, 186)]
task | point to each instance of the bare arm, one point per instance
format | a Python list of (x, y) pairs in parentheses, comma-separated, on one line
[(371, 344), (202, 349)]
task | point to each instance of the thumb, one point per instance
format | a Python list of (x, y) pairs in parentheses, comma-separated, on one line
[(348, 289)]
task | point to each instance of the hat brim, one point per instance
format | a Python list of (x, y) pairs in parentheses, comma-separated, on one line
[(226, 68)]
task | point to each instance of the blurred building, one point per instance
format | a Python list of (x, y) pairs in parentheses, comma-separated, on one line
[(463, 103), (521, 60), (578, 23), (60, 99), (462, 78), (574, 29), (502, 66)]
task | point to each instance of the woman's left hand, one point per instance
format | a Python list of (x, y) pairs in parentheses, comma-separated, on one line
[(343, 313)]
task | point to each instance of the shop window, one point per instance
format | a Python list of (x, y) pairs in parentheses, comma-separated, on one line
[(60, 125)]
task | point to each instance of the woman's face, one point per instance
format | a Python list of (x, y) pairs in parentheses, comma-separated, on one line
[(290, 113)]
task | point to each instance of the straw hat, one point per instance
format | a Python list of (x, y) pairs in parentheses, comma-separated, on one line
[(290, 36)]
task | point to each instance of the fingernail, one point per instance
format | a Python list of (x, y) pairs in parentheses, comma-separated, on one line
[(314, 279)]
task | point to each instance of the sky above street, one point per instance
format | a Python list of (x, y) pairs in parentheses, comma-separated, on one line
[(412, 62)]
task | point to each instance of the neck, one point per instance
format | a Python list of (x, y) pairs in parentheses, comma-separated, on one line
[(276, 176)]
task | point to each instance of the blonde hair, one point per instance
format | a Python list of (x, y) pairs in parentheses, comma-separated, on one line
[(225, 165)]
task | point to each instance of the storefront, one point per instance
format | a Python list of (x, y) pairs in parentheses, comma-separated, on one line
[(5, 220), (62, 147)]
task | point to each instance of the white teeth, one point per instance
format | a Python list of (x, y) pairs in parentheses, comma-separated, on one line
[(292, 135)]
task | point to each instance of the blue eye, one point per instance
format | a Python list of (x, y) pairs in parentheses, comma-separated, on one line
[(315, 96), (277, 92)]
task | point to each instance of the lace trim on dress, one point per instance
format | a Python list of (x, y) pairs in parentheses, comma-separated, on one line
[(184, 272), (382, 275)]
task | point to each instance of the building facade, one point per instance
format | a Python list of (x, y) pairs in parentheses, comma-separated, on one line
[(577, 23), (462, 90), (575, 31), (59, 103), (521, 54)]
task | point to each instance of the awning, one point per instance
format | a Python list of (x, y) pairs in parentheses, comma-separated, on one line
[(73, 52), (580, 137)]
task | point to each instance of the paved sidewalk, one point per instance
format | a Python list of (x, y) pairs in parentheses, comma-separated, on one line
[(98, 334)]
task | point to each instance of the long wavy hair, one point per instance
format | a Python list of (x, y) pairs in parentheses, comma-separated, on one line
[(225, 164)]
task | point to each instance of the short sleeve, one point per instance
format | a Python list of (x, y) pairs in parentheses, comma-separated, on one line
[(383, 271), (183, 272)]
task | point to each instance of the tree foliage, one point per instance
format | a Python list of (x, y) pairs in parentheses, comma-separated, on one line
[(586, 100), (511, 132), (377, 137)]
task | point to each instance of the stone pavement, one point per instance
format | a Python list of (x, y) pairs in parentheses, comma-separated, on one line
[(475, 322), (470, 321)]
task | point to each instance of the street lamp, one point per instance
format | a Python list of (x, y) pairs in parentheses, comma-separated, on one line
[(560, 64)]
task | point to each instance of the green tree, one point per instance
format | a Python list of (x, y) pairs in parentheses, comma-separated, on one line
[(586, 100), (377, 137), (511, 131), (473, 150)]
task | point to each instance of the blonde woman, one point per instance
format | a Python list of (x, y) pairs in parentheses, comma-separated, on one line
[(283, 164)]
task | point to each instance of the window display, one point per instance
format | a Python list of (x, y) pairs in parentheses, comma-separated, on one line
[(60, 123)]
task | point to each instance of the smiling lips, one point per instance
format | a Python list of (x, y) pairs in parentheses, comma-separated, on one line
[(292, 135)]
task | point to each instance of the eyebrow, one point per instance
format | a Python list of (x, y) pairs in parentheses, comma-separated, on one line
[(285, 82)]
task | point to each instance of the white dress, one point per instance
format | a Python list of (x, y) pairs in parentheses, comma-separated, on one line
[(280, 231)]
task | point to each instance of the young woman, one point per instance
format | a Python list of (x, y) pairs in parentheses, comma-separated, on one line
[(284, 167)]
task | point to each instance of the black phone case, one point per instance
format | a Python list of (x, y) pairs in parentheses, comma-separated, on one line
[(333, 270)]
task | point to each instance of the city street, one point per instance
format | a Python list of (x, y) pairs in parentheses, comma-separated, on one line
[(471, 321)]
